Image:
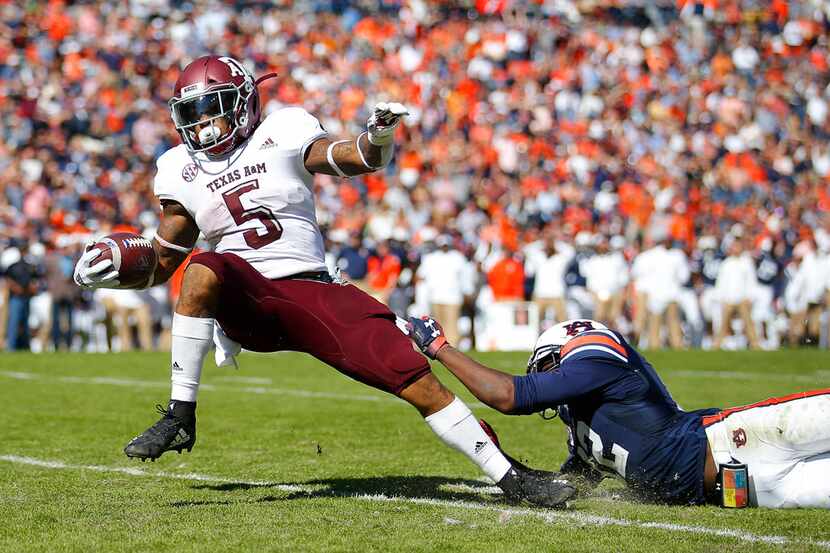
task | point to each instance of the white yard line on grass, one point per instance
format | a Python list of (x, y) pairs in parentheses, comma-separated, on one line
[(137, 383), (259, 390), (132, 471), (545, 515), (245, 379)]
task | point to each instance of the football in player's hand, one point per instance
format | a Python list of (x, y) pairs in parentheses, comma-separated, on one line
[(132, 256)]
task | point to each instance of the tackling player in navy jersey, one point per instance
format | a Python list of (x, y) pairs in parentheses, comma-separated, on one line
[(622, 420)]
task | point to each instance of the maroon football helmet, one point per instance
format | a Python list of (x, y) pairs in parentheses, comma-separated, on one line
[(210, 88)]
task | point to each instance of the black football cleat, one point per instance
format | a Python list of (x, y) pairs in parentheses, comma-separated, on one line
[(539, 487), (174, 431)]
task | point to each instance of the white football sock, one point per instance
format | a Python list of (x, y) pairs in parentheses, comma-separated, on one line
[(458, 428), (192, 338)]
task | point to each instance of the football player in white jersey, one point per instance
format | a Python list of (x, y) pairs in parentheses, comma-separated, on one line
[(246, 185)]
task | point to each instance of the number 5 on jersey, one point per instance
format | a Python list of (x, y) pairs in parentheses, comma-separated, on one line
[(273, 229)]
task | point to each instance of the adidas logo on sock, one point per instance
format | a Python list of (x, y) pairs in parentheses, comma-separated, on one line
[(176, 366), (269, 143), (479, 447)]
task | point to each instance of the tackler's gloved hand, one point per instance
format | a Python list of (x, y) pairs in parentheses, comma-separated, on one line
[(427, 334)]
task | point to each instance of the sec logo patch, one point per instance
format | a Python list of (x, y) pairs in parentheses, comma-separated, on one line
[(189, 172)]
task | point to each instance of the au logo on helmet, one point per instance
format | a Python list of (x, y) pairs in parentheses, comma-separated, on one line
[(577, 327)]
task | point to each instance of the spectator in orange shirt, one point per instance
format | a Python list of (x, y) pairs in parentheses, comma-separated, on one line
[(507, 277), (383, 270)]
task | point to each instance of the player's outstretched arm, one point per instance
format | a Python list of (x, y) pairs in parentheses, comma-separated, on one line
[(174, 240), (370, 151), (490, 386)]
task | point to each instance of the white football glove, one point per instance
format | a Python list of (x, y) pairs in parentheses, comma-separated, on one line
[(100, 275), (381, 124)]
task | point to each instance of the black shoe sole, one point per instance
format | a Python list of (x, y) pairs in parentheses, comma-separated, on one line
[(560, 503), (555, 498), (153, 459)]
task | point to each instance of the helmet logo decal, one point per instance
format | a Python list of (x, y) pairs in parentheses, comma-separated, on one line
[(578, 327), (236, 69)]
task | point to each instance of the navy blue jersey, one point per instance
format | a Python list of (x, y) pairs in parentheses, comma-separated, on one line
[(573, 272), (621, 417), (767, 269), (707, 264)]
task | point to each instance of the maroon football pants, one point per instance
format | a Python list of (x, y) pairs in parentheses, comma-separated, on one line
[(338, 324)]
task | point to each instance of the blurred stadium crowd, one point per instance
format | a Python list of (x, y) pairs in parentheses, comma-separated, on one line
[(663, 167)]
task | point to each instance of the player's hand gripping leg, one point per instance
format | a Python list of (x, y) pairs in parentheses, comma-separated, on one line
[(192, 337)]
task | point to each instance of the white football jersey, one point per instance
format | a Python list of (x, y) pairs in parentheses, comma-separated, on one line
[(257, 201)]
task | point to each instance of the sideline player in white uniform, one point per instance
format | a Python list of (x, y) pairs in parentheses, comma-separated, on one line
[(622, 421), (247, 186)]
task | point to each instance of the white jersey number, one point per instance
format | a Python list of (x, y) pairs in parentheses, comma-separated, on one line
[(584, 434), (273, 229)]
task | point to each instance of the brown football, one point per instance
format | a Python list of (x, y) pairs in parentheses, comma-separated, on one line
[(132, 256)]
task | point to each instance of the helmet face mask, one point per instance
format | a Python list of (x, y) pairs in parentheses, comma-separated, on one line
[(214, 103), (544, 359), (203, 110)]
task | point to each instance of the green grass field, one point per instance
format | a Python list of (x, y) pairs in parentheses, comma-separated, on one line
[(292, 456)]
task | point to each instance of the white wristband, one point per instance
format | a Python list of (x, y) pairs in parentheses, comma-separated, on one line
[(330, 158), (170, 246), (386, 152), (360, 152), (381, 138)]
